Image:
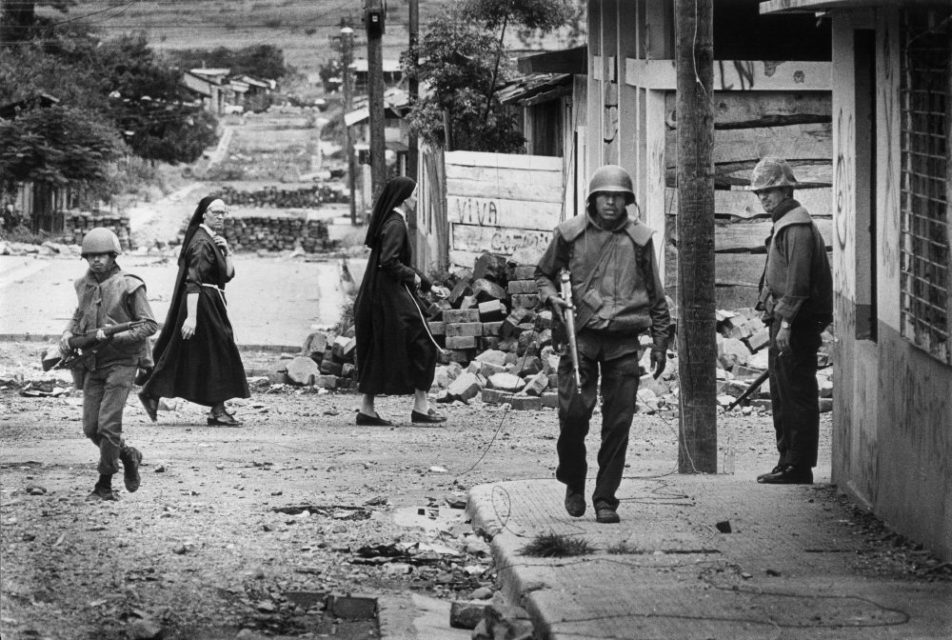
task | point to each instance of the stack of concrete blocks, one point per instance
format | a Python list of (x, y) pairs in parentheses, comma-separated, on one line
[(76, 224), (502, 355)]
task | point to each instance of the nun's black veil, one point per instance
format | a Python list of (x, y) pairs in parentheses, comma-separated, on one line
[(394, 193), (196, 220)]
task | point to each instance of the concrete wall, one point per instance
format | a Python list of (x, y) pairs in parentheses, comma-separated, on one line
[(892, 440)]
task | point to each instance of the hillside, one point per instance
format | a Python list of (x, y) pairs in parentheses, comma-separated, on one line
[(301, 28)]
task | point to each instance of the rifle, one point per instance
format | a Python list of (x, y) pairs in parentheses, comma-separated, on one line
[(83, 341), (753, 387), (569, 315)]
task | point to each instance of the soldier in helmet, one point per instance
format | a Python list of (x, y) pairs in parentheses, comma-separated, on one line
[(618, 296), (109, 296), (796, 298)]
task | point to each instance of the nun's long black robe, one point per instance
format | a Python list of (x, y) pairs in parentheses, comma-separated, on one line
[(395, 352), (206, 368)]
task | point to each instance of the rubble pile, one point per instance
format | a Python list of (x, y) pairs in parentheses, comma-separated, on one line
[(742, 340), (497, 346), (304, 197), (324, 363)]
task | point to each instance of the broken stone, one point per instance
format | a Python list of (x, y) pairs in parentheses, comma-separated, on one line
[(536, 384), (493, 356), (343, 348), (465, 387), (482, 593), (531, 365), (731, 352), (302, 370), (466, 615), (315, 343), (144, 629), (759, 340), (506, 382), (486, 290), (491, 266)]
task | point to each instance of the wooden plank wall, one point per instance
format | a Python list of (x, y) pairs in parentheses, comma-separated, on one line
[(501, 203), (749, 126)]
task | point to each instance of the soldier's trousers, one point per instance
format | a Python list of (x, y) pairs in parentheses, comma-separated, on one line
[(104, 397), (619, 378), (793, 394)]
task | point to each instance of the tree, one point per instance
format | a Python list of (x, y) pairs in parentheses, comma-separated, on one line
[(463, 63), (149, 103), (123, 83), (19, 22), (57, 145)]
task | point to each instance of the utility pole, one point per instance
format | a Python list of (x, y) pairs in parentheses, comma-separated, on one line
[(414, 90), (374, 16), (346, 58), (413, 84), (697, 347)]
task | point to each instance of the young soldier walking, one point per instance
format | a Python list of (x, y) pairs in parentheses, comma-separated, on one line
[(108, 296), (618, 296)]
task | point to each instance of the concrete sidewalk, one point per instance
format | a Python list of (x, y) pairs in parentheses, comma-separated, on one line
[(791, 567)]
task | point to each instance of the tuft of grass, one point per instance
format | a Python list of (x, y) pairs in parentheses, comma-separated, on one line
[(623, 548), (554, 545)]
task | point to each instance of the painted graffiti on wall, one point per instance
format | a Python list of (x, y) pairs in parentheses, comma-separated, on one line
[(479, 211)]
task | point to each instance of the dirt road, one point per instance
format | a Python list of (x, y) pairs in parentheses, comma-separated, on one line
[(231, 524)]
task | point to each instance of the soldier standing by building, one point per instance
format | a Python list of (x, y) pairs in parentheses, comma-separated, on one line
[(796, 297), (614, 281), (109, 296)]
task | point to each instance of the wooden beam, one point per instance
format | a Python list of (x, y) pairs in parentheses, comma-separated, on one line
[(737, 75), (795, 142), (740, 203), (749, 236), (654, 172)]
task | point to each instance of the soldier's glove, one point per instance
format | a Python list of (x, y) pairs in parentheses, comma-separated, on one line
[(659, 358)]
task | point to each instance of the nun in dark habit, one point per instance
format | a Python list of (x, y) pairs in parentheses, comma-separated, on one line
[(195, 354), (396, 354)]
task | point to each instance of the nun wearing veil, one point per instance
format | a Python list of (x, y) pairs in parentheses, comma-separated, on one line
[(396, 355), (195, 354)]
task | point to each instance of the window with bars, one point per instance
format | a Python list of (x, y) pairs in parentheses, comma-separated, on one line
[(926, 189)]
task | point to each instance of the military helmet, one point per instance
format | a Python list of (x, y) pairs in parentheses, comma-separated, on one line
[(611, 179), (100, 240), (770, 173)]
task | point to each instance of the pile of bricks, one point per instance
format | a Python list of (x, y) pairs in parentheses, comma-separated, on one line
[(497, 340), (324, 362), (302, 198), (277, 233), (77, 223)]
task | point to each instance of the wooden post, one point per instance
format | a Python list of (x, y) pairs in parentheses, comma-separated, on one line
[(346, 58), (374, 21), (413, 84), (697, 347)]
